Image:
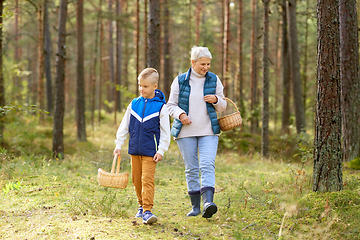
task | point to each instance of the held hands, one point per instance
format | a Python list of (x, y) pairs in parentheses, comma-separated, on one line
[(210, 99), (158, 157), (184, 119)]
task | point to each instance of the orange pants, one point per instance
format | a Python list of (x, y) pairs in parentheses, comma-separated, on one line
[(143, 178)]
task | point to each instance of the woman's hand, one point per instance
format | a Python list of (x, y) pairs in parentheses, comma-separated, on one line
[(158, 157), (185, 120), (117, 152), (210, 98)]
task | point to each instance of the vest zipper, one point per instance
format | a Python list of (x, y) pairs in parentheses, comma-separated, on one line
[(142, 120)]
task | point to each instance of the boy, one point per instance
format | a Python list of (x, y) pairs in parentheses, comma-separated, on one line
[(147, 122)]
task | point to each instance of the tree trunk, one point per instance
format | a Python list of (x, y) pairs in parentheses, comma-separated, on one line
[(253, 95), (41, 59), (295, 67), (277, 70), (304, 71), (167, 51), (2, 87), (80, 91), (111, 56), (286, 76), (154, 36), (93, 75), (126, 50), (349, 74), (198, 10), (226, 42), (265, 73), (58, 134), (47, 57), (118, 56), (145, 32), (327, 171), (240, 52), (137, 39), (16, 85)]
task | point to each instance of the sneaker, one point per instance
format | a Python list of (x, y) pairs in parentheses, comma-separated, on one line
[(139, 214), (149, 218)]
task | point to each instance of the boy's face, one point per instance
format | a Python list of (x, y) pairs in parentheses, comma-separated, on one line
[(147, 88)]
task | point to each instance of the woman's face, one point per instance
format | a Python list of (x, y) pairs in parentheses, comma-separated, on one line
[(201, 66)]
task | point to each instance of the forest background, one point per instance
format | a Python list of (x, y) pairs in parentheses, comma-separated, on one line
[(69, 69)]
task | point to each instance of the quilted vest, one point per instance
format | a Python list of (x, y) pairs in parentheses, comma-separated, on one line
[(144, 126), (183, 101)]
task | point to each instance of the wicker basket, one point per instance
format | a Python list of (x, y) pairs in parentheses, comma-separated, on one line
[(231, 121), (113, 180)]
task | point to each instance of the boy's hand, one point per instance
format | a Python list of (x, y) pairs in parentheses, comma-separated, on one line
[(117, 152), (158, 157)]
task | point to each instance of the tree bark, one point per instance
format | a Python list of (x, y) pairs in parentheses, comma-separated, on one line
[(2, 83), (240, 53), (111, 56), (154, 36), (286, 76), (145, 32), (226, 42), (253, 95), (167, 51), (295, 67), (265, 73), (47, 57), (118, 56), (80, 91), (41, 59), (198, 10), (58, 134), (327, 171), (349, 74), (137, 39), (304, 71)]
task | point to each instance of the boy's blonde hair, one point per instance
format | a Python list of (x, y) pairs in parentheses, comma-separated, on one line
[(150, 73)]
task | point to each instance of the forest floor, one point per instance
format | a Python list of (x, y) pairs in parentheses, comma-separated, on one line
[(45, 198)]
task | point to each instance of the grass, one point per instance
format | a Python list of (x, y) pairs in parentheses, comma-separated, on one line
[(45, 198)]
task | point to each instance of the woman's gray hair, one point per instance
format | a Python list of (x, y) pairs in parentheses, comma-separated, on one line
[(200, 52)]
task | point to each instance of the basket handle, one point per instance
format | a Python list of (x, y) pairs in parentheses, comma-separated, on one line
[(228, 99), (117, 156)]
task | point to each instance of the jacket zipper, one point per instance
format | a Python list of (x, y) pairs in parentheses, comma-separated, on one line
[(142, 120)]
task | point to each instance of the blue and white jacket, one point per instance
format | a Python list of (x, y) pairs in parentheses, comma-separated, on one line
[(147, 122)]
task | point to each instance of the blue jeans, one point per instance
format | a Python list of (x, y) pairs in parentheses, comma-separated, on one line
[(206, 148)]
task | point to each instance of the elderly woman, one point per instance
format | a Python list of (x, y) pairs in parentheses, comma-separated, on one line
[(194, 99)]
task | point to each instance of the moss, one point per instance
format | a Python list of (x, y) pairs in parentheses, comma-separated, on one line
[(355, 163)]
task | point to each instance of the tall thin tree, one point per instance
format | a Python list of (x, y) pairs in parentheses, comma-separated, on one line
[(41, 98), (47, 58), (253, 71), (2, 87), (137, 40), (80, 85), (111, 55), (226, 42), (327, 171), (154, 35), (240, 53), (58, 130), (167, 50), (350, 82), (265, 73), (286, 76), (118, 47), (295, 67)]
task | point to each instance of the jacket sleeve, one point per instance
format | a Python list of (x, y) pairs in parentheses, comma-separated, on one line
[(173, 102), (221, 103), (164, 131), (123, 129)]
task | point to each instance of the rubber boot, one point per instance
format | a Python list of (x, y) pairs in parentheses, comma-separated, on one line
[(209, 208), (195, 202)]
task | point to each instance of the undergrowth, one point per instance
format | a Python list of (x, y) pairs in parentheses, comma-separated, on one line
[(46, 198)]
